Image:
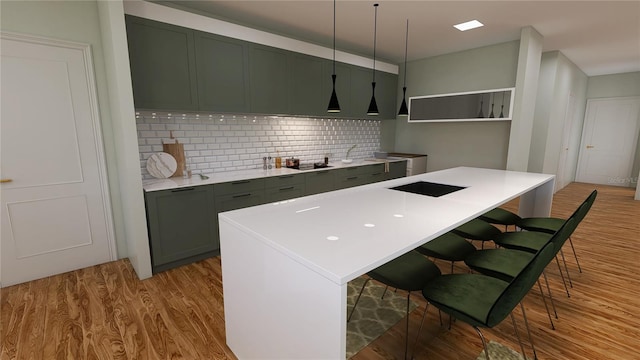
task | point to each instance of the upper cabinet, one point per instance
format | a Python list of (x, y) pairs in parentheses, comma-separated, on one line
[(268, 73), (163, 65), (222, 65), (176, 68)]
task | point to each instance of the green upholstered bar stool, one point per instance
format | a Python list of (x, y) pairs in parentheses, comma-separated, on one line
[(477, 229), (501, 216), (449, 247), (483, 301), (409, 272), (551, 224)]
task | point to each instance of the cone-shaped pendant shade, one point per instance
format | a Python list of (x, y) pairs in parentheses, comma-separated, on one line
[(502, 111), (404, 110), (373, 106), (334, 106), (491, 115)]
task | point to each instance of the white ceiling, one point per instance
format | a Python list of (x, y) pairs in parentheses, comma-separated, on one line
[(600, 37)]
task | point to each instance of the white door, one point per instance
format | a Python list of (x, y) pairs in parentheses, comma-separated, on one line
[(609, 140), (55, 210)]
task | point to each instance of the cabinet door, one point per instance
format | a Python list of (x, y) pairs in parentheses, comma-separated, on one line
[(361, 92), (223, 73), (397, 169), (319, 181), (182, 224), (269, 79), (163, 67), (305, 89), (373, 173), (386, 94)]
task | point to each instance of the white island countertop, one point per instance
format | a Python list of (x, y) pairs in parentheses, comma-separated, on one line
[(343, 234), (221, 177)]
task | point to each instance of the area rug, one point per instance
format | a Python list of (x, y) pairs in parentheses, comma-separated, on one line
[(498, 351), (374, 315)]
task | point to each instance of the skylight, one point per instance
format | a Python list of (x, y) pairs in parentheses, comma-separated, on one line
[(468, 25)]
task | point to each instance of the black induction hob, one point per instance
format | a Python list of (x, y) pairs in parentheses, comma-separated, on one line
[(428, 188)]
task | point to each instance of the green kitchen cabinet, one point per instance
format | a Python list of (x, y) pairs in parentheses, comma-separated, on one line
[(239, 194), (350, 176), (268, 74), (361, 90), (284, 187), (223, 73), (397, 169), (386, 94), (163, 65), (306, 96), (373, 174), (319, 181), (182, 226)]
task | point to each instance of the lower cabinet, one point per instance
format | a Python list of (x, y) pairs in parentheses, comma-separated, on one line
[(239, 194), (284, 187), (183, 223), (319, 181), (350, 176), (397, 169), (183, 226)]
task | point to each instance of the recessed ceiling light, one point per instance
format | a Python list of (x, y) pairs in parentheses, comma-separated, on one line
[(369, 225), (468, 25), (332, 238)]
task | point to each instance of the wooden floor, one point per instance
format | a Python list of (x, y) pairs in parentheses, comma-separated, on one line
[(105, 312)]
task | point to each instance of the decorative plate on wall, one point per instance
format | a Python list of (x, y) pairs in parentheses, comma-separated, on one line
[(161, 165)]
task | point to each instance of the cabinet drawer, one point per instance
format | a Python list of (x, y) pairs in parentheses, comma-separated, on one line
[(349, 171), (239, 200), (284, 192), (239, 186), (319, 181), (284, 180)]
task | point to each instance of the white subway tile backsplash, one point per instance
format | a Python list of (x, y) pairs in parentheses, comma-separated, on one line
[(223, 142)]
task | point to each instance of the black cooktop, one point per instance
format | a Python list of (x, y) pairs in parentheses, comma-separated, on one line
[(428, 188)]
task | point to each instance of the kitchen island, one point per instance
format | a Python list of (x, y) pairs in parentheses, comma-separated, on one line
[(286, 265)]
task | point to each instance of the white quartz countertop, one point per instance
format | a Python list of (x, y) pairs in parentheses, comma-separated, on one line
[(221, 177), (345, 233)]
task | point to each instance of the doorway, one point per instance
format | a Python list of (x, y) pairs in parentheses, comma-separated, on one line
[(609, 141), (55, 209)]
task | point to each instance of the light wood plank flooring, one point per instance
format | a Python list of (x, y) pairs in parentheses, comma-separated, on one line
[(105, 312)]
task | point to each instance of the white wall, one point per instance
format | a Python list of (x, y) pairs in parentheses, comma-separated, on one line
[(482, 144), (559, 80)]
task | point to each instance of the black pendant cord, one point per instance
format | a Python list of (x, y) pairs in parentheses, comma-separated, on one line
[(403, 106), (334, 105), (375, 33), (334, 37)]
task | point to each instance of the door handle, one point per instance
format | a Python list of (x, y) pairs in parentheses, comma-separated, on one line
[(5, 180), (590, 146)]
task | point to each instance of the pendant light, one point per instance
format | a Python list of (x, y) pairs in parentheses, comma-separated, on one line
[(481, 114), (373, 106), (334, 105), (404, 111), (502, 106)]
